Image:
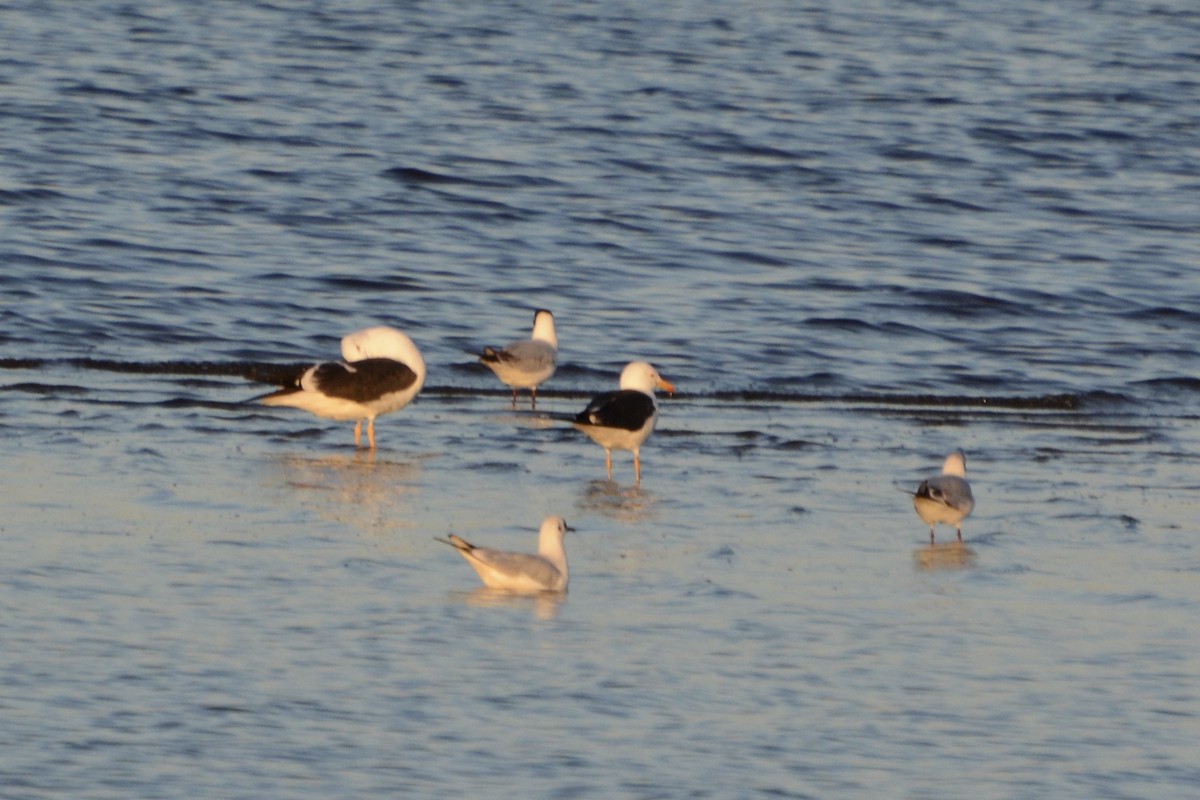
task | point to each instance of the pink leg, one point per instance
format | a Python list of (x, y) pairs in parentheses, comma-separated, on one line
[(357, 432)]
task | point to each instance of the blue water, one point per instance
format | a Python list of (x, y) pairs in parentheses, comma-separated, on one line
[(855, 236)]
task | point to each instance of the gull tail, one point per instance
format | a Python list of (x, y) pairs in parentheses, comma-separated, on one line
[(274, 398), (456, 543)]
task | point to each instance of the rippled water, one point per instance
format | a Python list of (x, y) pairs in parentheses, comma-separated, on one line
[(854, 236)]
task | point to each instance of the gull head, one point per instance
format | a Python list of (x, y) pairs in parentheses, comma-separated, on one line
[(554, 528), (543, 328), (382, 342), (955, 464), (642, 377)]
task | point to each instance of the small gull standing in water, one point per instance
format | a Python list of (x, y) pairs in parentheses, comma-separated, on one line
[(946, 498), (382, 372), (625, 418), (528, 363), (544, 571)]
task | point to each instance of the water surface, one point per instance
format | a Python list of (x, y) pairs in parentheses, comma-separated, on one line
[(854, 237)]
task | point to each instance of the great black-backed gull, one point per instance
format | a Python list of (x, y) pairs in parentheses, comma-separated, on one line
[(623, 419), (382, 372)]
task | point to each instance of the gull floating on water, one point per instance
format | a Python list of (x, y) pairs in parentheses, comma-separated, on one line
[(545, 571), (528, 363), (946, 498), (624, 419), (382, 372)]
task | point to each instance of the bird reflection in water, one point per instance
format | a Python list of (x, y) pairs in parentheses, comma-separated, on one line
[(355, 471), (950, 555), (622, 503), (544, 605), (358, 488)]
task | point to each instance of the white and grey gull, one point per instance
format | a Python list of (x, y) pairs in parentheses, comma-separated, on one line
[(528, 363), (526, 573), (946, 498)]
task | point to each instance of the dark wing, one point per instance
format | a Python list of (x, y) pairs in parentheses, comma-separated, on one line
[(626, 409), (948, 490), (362, 381), (528, 353), (291, 384)]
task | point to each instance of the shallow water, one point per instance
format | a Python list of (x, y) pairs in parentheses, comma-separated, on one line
[(854, 238)]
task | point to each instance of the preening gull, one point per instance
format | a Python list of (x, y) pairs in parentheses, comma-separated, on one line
[(382, 372), (545, 571), (623, 419), (528, 363), (946, 498)]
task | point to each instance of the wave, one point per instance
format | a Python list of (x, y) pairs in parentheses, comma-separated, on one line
[(278, 374)]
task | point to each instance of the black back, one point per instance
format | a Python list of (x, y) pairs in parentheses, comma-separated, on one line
[(363, 381), (627, 409)]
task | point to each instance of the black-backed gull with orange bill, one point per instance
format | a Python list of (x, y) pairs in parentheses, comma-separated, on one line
[(544, 571), (946, 498), (382, 372), (528, 363), (622, 420)]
